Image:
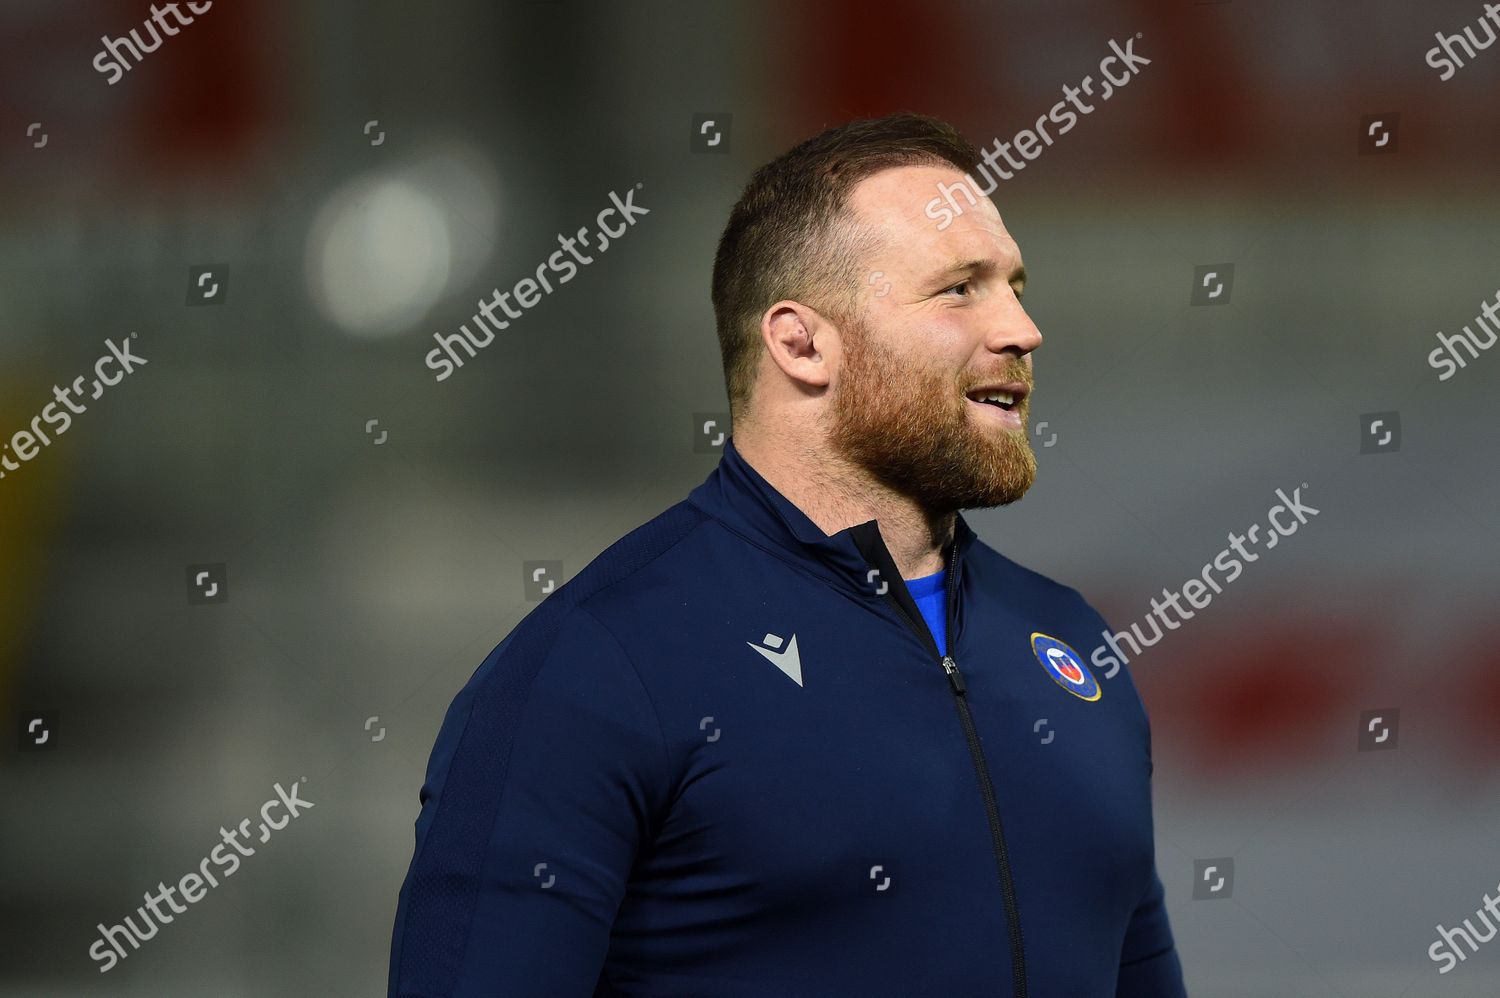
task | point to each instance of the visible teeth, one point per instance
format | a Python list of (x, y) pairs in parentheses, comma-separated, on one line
[(1004, 398)]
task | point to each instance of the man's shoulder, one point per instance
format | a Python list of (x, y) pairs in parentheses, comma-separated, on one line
[(621, 564), (575, 625), (1017, 583), (644, 565)]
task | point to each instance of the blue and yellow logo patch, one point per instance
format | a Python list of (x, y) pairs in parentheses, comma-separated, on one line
[(1065, 666)]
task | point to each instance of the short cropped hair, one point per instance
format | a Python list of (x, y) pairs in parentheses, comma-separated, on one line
[(791, 235)]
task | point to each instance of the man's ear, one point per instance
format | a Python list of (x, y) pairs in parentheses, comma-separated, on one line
[(798, 340)]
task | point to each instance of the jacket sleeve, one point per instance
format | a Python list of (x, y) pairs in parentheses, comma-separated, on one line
[(545, 781), (1149, 965)]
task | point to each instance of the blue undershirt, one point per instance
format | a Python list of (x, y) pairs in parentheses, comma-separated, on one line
[(929, 595)]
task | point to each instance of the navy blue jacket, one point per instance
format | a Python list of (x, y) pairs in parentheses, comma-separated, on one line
[(728, 759)]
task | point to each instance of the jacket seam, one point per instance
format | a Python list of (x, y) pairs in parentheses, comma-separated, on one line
[(1154, 956), (660, 730), (655, 713), (469, 719), (546, 657), (779, 554), (704, 516)]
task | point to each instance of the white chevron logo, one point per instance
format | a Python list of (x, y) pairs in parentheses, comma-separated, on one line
[(784, 659)]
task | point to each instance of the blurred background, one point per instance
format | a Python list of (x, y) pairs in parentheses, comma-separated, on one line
[(276, 549)]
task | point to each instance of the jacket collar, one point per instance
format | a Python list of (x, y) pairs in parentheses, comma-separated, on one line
[(737, 495)]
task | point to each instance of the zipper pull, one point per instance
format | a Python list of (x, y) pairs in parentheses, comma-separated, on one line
[(955, 678)]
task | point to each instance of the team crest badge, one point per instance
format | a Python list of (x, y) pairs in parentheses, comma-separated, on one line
[(1065, 666)]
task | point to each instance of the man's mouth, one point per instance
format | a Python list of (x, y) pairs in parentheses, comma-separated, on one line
[(1004, 399), (1002, 402)]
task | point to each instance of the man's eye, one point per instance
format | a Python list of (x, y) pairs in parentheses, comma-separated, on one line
[(960, 284)]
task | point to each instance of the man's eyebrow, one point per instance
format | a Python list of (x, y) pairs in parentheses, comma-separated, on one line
[(978, 265)]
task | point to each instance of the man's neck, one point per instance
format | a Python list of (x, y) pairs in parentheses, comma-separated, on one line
[(836, 495)]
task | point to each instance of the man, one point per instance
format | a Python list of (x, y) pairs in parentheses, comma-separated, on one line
[(804, 733)]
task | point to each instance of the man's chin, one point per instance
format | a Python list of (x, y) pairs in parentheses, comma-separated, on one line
[(943, 461), (1011, 473), (1001, 493)]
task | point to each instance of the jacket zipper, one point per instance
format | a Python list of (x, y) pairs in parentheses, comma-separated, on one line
[(986, 788)]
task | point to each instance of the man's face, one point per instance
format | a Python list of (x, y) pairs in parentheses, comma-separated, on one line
[(942, 327)]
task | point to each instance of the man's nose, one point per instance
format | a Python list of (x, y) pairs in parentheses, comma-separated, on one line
[(1011, 329)]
